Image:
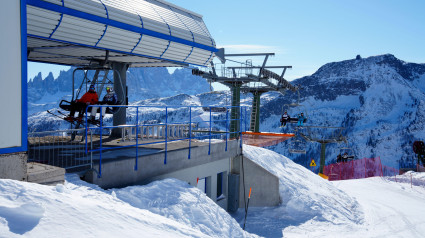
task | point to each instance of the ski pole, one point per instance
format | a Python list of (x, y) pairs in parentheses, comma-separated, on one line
[(246, 210)]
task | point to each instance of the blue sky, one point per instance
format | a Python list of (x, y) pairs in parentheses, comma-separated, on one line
[(309, 33)]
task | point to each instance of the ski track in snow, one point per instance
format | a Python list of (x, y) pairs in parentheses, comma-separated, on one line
[(391, 209)]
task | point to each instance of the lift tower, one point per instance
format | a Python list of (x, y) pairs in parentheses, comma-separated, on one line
[(317, 134), (247, 78)]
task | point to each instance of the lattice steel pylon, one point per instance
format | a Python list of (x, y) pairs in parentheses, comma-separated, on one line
[(240, 78), (312, 134)]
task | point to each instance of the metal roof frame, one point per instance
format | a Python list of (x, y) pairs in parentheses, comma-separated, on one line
[(142, 33)]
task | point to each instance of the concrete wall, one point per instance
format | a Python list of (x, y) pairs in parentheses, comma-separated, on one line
[(120, 172), (13, 166), (10, 75), (265, 185)]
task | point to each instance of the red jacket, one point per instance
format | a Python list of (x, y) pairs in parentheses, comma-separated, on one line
[(89, 97)]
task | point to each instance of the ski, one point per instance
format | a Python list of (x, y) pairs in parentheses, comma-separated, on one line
[(61, 117), (62, 113), (95, 122), (56, 115)]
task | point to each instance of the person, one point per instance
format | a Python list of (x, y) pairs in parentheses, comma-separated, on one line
[(109, 99), (284, 119), (345, 157), (301, 119), (338, 158), (80, 105)]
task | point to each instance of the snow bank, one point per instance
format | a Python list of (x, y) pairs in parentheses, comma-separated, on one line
[(80, 209), (183, 203), (306, 196)]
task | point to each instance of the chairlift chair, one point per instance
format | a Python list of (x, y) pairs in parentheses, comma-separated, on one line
[(287, 107), (297, 146), (349, 151), (94, 80)]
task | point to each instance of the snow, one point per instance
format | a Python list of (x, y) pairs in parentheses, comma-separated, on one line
[(373, 207), (305, 197), (161, 209), (310, 207), (182, 203), (397, 212)]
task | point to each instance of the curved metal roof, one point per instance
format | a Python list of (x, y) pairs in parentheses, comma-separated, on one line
[(143, 33)]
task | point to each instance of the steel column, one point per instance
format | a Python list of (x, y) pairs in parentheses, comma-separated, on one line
[(119, 117), (322, 157), (255, 115), (235, 112)]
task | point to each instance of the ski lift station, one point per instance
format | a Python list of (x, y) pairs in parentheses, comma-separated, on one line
[(107, 37)]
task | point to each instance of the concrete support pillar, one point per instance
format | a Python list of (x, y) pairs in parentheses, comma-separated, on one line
[(322, 157), (213, 191), (235, 110), (235, 164), (120, 84), (13, 166)]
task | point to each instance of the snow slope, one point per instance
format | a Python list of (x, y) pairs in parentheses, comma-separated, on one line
[(311, 207), (305, 197), (390, 210)]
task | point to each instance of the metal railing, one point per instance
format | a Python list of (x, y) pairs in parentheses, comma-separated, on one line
[(145, 126), (56, 148), (165, 128)]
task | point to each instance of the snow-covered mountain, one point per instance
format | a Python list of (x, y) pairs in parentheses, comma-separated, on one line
[(142, 83), (379, 100)]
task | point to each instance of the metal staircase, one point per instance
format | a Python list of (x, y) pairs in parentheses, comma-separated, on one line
[(253, 115)]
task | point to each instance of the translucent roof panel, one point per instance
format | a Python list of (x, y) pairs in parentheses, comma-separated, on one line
[(154, 30), (264, 139)]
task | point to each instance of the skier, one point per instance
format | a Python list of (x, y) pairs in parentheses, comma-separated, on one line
[(301, 120), (80, 105), (109, 99), (338, 158), (419, 149), (284, 119), (345, 157)]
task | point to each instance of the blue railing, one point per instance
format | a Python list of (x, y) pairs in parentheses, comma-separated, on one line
[(189, 121)]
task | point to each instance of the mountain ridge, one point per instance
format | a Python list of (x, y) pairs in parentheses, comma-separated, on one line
[(377, 99)]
